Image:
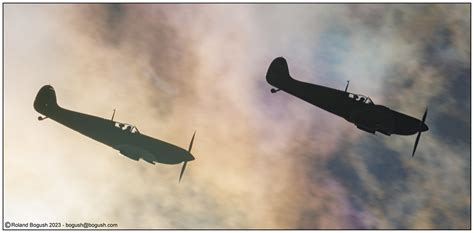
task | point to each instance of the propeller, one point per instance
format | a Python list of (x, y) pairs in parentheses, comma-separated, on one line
[(191, 143), (419, 132), (186, 162), (182, 170)]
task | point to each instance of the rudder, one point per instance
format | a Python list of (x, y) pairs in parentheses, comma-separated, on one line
[(278, 72), (45, 100)]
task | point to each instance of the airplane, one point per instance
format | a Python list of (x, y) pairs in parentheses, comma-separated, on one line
[(355, 108), (121, 136)]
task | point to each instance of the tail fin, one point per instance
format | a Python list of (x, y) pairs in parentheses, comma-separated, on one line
[(45, 100), (278, 73)]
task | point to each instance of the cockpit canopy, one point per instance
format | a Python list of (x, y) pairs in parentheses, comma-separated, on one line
[(126, 127), (361, 98)]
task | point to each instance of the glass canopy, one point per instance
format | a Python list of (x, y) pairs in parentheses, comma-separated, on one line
[(126, 127), (361, 98)]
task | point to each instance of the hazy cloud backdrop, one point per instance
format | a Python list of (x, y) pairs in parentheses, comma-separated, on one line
[(262, 160)]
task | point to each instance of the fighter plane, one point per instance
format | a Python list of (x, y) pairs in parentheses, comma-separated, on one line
[(121, 136), (355, 108)]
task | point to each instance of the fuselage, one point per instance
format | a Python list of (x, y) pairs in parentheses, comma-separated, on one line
[(123, 137), (355, 108)]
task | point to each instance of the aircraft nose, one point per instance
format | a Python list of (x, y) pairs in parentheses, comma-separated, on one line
[(424, 128)]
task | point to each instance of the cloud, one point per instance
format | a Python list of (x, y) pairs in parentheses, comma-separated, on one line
[(263, 160)]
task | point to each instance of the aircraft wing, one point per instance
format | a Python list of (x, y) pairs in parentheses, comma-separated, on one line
[(135, 153)]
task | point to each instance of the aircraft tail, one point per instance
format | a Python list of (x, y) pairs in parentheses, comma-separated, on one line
[(278, 73), (45, 100)]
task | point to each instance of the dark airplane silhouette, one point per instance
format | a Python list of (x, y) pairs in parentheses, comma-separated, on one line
[(120, 136), (355, 108)]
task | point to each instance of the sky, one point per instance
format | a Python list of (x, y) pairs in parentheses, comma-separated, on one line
[(263, 161)]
